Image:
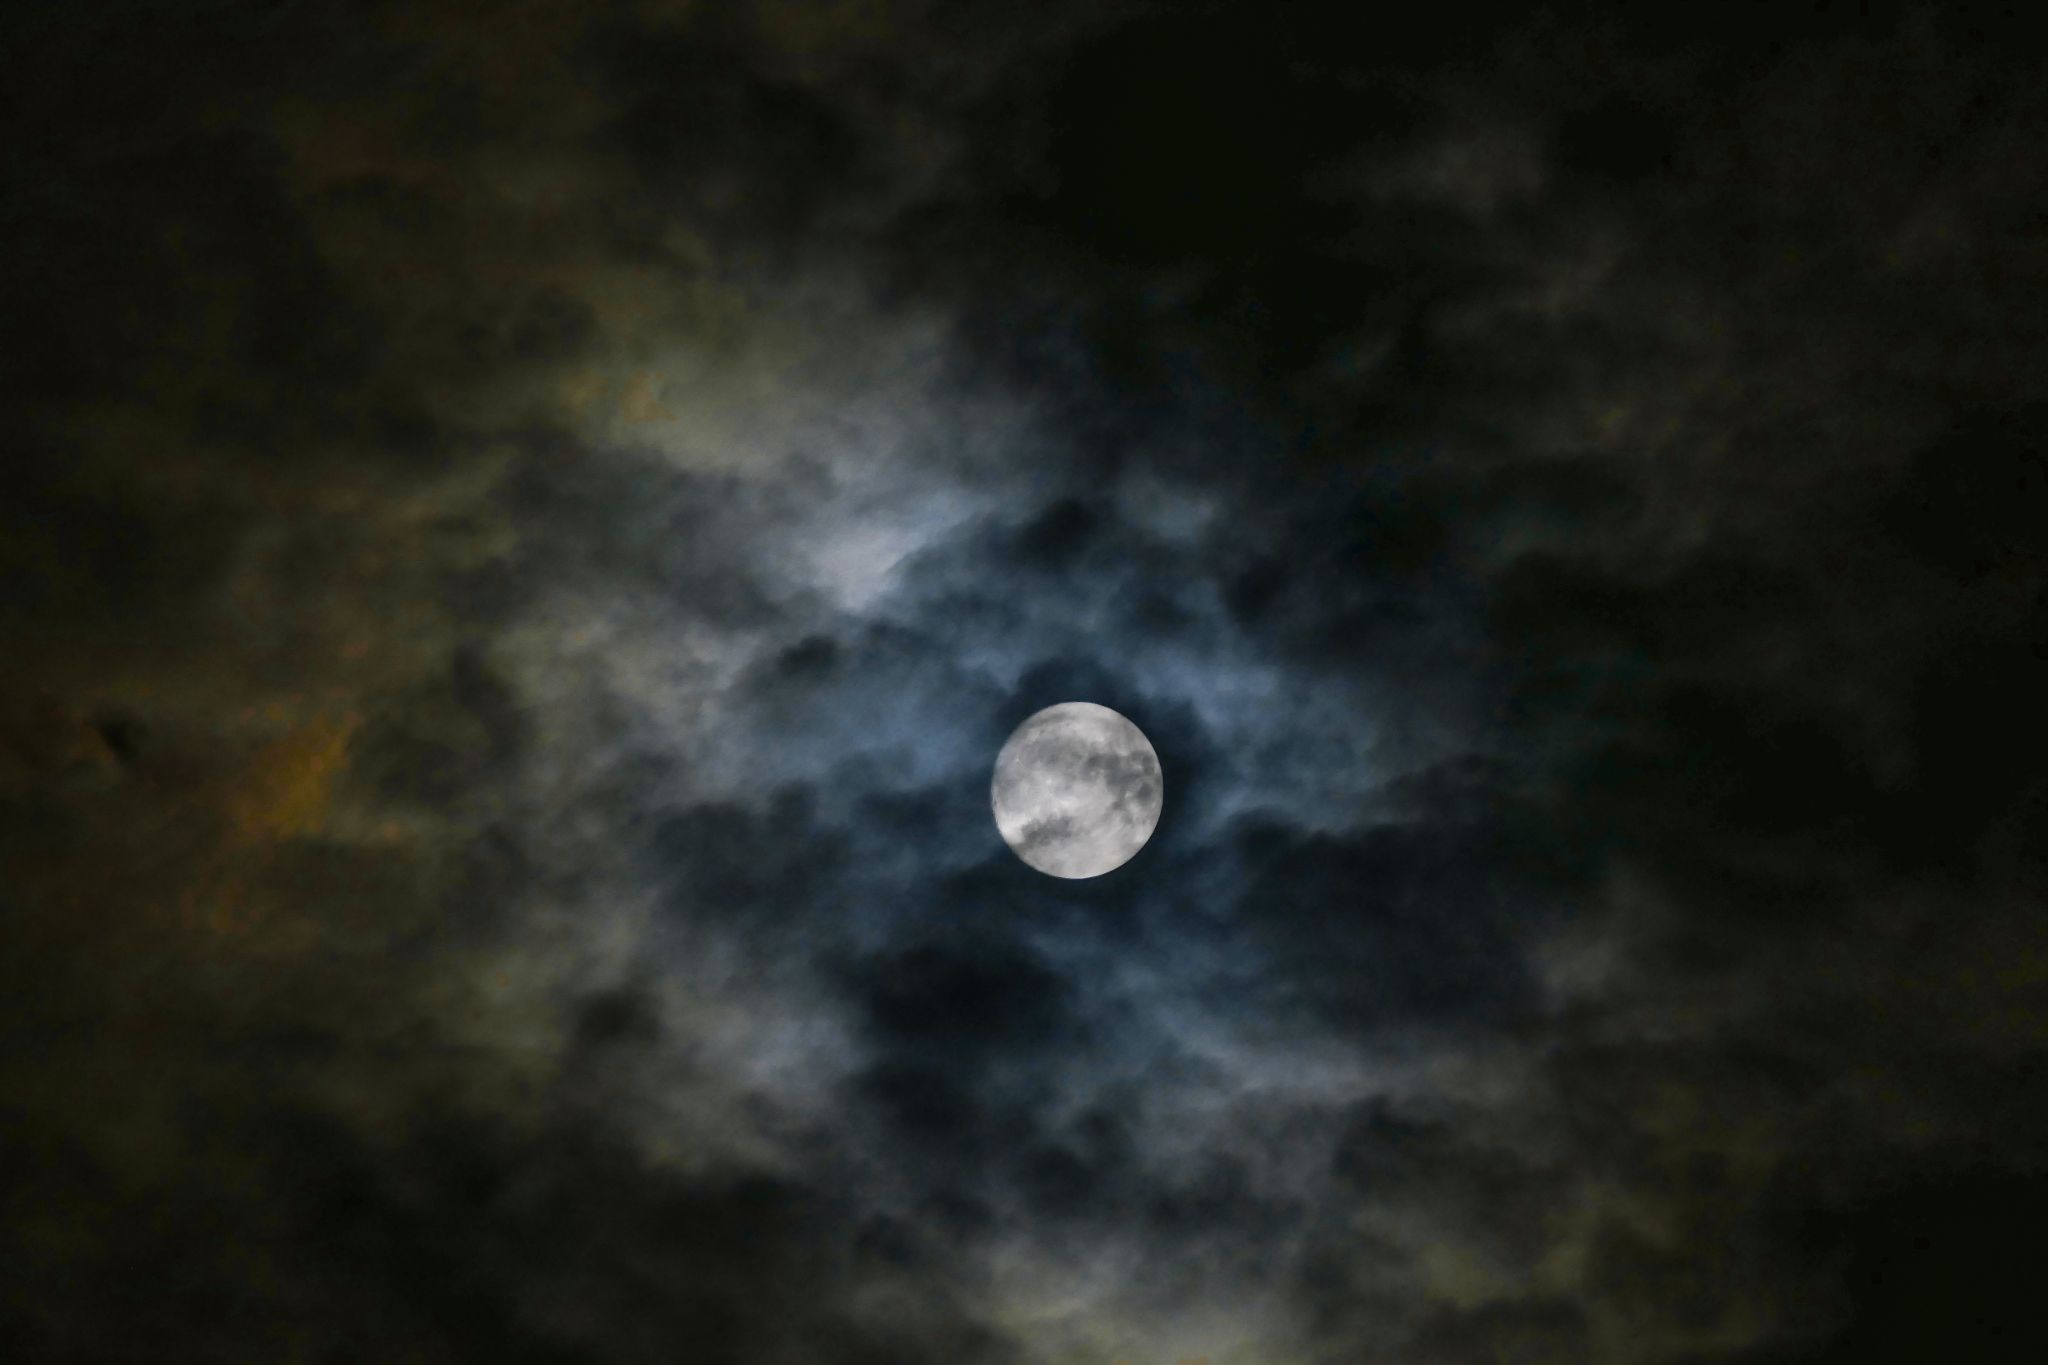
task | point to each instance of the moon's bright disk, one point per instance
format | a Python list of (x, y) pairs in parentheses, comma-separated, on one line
[(1077, 790)]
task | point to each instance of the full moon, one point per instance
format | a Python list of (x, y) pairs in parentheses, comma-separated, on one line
[(1077, 790)]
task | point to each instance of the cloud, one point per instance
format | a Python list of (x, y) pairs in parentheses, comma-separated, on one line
[(526, 550)]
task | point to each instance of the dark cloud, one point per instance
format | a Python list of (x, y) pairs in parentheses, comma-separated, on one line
[(525, 533), (697, 121)]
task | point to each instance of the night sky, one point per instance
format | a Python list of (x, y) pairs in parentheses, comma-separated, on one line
[(524, 526)]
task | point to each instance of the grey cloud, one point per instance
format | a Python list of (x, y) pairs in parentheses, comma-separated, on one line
[(1581, 589)]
